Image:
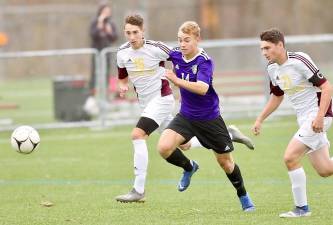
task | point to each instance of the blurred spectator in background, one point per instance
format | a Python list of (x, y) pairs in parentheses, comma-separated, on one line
[(103, 33)]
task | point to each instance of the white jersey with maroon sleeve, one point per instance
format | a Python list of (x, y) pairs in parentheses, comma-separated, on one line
[(144, 69), (298, 78)]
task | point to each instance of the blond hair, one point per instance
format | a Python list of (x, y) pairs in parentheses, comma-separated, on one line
[(135, 20), (190, 27)]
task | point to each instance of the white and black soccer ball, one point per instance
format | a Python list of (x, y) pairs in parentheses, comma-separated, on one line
[(25, 139)]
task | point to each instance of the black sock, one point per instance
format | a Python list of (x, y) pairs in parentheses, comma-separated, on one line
[(237, 181), (177, 158)]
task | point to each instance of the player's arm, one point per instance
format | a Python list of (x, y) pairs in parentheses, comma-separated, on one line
[(325, 99), (272, 104), (198, 87), (122, 81)]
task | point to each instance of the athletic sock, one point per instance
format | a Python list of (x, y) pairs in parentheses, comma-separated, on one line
[(195, 143), (236, 179), (177, 158), (298, 186), (140, 164)]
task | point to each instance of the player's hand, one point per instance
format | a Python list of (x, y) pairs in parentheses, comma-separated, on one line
[(170, 75), (256, 128), (318, 124), (122, 90)]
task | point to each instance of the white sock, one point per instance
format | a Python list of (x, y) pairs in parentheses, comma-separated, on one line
[(140, 164), (298, 186), (195, 143)]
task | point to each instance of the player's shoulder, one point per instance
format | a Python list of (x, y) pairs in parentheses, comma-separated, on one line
[(203, 56), (271, 66), (124, 47), (159, 45), (300, 57)]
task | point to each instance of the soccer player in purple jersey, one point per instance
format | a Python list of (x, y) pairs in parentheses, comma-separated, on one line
[(140, 62), (199, 114), (295, 75)]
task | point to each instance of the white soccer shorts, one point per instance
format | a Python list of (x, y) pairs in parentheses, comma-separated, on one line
[(160, 110), (307, 136)]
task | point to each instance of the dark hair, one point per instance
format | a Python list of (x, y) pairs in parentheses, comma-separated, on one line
[(272, 35), (135, 20)]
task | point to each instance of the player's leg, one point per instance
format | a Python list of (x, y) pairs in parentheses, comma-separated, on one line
[(143, 129), (321, 161), (320, 158), (153, 115), (237, 136), (235, 177), (176, 134), (292, 158), (214, 135), (306, 141)]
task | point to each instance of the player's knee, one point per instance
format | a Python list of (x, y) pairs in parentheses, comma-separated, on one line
[(324, 173), (164, 148), (138, 134), (288, 160)]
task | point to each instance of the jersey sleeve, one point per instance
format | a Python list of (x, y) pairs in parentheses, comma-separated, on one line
[(120, 63), (306, 66), (122, 72), (162, 51), (273, 86), (275, 90), (205, 71), (317, 79)]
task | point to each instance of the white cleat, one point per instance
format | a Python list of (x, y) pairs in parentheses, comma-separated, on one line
[(239, 137), (297, 212), (132, 196)]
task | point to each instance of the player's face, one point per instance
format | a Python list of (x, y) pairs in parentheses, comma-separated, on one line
[(188, 44), (272, 52), (134, 35)]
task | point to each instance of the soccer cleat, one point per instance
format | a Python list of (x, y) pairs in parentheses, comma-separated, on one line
[(297, 212), (246, 203), (239, 137), (132, 196), (186, 178)]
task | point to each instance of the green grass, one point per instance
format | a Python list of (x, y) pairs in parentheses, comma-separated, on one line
[(81, 171), (34, 100)]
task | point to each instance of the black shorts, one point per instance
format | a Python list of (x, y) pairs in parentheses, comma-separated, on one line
[(212, 134)]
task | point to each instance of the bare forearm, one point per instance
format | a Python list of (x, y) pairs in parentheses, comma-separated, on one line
[(325, 99), (199, 88), (272, 104)]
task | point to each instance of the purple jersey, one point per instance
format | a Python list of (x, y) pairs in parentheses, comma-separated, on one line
[(199, 68)]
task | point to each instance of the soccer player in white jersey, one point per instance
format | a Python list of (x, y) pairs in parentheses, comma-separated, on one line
[(141, 61), (294, 74)]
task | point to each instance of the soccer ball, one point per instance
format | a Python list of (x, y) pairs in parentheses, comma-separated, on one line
[(25, 139)]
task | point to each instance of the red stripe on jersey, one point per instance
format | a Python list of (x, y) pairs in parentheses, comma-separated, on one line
[(305, 61), (275, 90), (329, 112), (122, 73), (165, 90)]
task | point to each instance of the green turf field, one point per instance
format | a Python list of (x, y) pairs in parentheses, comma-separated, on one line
[(81, 171)]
